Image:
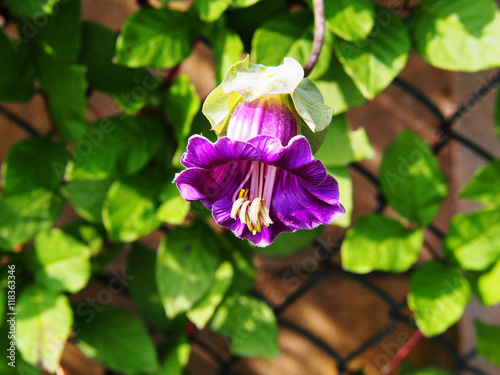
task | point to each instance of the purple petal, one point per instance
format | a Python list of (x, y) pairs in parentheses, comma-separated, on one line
[(304, 195), (300, 204), (210, 185), (205, 154), (296, 157)]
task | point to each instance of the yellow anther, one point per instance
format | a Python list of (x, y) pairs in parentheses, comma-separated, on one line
[(243, 193)]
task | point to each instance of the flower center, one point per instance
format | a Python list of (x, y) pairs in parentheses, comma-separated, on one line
[(252, 199)]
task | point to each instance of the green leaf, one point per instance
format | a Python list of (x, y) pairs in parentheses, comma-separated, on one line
[(227, 50), (243, 3), (459, 35), (259, 13), (62, 261), (486, 283), (341, 146), (487, 342), (181, 105), (430, 370), (33, 164), (143, 289), (131, 88), (87, 197), (60, 36), (94, 237), (379, 243), (352, 20), (115, 147), (161, 38), (374, 63), (338, 88), (187, 260), (31, 8), (129, 211), (177, 356), (411, 179), (310, 107), (88, 234), (290, 35), (250, 324), (116, 339), (290, 243), (473, 239), (211, 10), (343, 177), (23, 216), (44, 322), (17, 71), (438, 296), (201, 313), (479, 187), (65, 86), (241, 256), (174, 208)]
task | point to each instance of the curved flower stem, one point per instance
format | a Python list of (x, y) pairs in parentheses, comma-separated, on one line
[(319, 35), (403, 353)]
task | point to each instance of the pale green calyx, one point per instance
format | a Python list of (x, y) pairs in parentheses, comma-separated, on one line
[(248, 81)]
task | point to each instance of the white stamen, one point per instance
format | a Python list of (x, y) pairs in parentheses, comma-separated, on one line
[(265, 215), (252, 167), (254, 210), (243, 212), (236, 206)]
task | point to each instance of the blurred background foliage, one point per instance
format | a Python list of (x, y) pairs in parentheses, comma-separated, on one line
[(116, 172)]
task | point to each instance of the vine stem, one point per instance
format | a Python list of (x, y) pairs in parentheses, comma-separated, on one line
[(319, 35), (403, 353)]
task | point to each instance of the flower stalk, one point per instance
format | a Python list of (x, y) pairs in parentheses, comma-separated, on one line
[(319, 36)]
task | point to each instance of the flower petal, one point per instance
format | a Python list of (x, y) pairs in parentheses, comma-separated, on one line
[(205, 154), (300, 204), (296, 157), (211, 185)]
